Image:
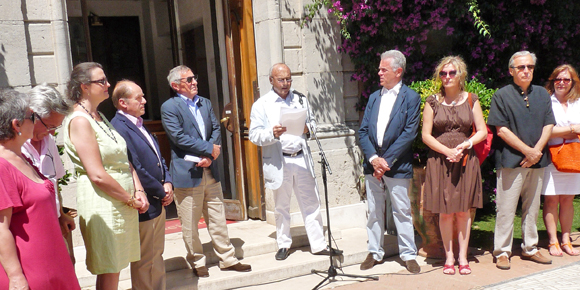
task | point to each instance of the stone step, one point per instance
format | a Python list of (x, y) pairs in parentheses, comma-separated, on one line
[(250, 238), (265, 269)]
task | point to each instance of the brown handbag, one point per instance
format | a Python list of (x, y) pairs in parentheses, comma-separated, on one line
[(566, 156)]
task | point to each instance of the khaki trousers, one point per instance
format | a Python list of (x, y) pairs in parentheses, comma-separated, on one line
[(511, 184), (206, 199), (149, 272)]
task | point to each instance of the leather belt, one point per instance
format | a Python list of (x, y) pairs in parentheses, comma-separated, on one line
[(292, 154)]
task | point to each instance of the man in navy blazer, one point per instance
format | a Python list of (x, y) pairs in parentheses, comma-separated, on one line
[(144, 154), (386, 134), (194, 137)]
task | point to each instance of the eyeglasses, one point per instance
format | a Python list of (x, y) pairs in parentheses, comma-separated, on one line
[(190, 79), (565, 81), (47, 128), (523, 67), (102, 82), (451, 73), (32, 117), (281, 81)]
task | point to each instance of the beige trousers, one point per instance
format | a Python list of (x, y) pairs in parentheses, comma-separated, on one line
[(511, 184), (149, 272), (206, 199)]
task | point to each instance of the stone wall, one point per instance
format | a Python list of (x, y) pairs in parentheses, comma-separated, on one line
[(322, 73)]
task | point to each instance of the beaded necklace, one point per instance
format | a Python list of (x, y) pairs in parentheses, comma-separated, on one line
[(112, 136)]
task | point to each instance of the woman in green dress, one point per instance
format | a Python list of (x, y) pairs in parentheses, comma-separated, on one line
[(109, 194)]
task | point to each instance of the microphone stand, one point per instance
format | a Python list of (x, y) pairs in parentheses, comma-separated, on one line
[(331, 272)]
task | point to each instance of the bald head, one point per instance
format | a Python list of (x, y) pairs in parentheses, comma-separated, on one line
[(281, 79), (129, 98)]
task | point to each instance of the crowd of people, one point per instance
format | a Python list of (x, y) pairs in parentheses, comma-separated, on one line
[(123, 182)]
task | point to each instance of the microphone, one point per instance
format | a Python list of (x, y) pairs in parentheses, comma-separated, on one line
[(300, 96)]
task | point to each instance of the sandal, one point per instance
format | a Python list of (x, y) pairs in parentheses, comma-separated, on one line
[(557, 245), (449, 269), (464, 269), (571, 252)]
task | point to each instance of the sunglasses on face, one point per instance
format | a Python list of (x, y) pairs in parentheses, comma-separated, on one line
[(47, 128), (31, 117), (451, 73), (565, 81), (102, 82), (523, 67), (190, 79)]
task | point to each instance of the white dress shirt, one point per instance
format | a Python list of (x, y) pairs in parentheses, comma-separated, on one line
[(290, 143), (139, 123), (388, 98)]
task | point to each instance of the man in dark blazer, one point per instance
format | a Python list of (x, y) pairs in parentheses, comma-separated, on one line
[(144, 154), (194, 137), (387, 131)]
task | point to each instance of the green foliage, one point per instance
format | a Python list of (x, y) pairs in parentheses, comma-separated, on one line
[(67, 175), (481, 26)]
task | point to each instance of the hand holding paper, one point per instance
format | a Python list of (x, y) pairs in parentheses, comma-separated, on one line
[(293, 120)]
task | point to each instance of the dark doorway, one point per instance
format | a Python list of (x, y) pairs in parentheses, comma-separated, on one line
[(116, 44)]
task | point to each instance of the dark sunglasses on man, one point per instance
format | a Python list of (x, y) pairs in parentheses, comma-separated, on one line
[(190, 79)]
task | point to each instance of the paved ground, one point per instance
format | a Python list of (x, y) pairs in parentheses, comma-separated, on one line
[(561, 274)]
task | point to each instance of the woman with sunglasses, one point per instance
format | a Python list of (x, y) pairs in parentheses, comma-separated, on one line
[(453, 176), (109, 194), (27, 209), (561, 187)]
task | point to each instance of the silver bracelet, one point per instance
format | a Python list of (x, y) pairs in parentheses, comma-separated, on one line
[(470, 143)]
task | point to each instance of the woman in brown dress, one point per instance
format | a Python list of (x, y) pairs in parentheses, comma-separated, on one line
[(453, 180)]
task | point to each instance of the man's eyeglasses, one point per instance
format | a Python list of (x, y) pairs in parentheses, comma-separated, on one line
[(281, 81), (565, 81), (523, 67), (451, 73), (32, 117), (47, 128), (190, 79), (102, 82)]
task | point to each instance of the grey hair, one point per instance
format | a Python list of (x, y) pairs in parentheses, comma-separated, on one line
[(399, 60), (45, 99), (276, 65), (81, 74), (521, 53), (175, 74), (13, 106)]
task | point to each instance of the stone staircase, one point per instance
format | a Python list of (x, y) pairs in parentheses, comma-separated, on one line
[(255, 245)]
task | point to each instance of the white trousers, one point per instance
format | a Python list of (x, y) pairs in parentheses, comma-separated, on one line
[(297, 177), (377, 191)]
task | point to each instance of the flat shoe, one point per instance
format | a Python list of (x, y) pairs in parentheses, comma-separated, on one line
[(282, 254), (569, 245), (449, 267), (557, 245), (464, 270)]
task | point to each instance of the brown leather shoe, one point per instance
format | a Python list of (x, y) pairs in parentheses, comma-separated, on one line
[(412, 266), (369, 262), (503, 263), (239, 267), (538, 258), (201, 272)]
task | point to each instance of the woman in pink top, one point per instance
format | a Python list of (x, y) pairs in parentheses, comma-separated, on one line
[(32, 252)]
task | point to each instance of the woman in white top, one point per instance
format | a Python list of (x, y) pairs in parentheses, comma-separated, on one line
[(561, 187)]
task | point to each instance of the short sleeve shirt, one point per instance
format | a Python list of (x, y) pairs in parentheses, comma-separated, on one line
[(509, 109)]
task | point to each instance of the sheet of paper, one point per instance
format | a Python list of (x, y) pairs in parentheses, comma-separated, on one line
[(293, 120), (192, 158)]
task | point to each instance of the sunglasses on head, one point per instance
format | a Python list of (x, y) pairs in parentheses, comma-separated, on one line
[(102, 82), (562, 80), (450, 73), (190, 79), (523, 67)]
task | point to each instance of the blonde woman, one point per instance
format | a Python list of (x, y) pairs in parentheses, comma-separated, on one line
[(453, 176), (561, 187)]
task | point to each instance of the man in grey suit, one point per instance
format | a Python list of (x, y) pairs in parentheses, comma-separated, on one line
[(194, 137), (387, 131)]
